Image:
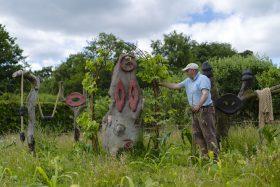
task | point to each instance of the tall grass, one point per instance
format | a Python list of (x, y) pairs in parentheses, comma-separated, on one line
[(243, 161)]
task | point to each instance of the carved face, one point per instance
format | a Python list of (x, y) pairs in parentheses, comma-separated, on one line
[(119, 127)]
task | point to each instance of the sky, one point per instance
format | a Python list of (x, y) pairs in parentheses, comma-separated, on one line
[(50, 30)]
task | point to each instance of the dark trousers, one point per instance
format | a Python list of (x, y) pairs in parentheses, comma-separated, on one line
[(204, 134)]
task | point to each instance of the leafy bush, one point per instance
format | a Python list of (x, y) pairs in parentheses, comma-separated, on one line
[(228, 72)]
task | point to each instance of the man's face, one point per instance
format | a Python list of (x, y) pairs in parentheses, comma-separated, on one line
[(190, 73)]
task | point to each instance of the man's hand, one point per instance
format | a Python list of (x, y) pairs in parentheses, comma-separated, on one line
[(195, 109)]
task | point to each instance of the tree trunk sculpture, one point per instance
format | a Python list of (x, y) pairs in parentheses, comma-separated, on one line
[(31, 105), (120, 128), (222, 120)]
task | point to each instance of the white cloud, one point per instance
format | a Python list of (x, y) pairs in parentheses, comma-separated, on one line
[(245, 7), (254, 33), (48, 31)]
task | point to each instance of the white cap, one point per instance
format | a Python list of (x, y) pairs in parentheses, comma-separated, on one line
[(190, 66)]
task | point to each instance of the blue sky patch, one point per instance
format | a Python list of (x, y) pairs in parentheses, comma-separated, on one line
[(206, 16)]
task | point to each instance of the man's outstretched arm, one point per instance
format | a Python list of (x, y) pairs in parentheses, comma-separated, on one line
[(170, 85)]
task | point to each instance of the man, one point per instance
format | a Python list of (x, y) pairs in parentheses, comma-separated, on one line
[(198, 88)]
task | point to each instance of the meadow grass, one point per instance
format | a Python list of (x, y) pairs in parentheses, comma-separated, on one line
[(59, 161)]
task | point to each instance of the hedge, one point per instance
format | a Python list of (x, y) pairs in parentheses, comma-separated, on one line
[(10, 118)]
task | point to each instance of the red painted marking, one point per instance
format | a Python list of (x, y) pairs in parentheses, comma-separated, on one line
[(133, 95), (128, 144), (75, 99), (120, 95)]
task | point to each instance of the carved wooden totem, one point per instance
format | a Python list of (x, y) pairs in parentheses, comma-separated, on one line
[(31, 105), (120, 128)]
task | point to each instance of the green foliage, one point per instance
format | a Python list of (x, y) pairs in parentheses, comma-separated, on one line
[(176, 48), (10, 57), (45, 73), (205, 51), (96, 59), (249, 137), (186, 133), (10, 121), (228, 71), (269, 78), (173, 108), (101, 107), (174, 165), (71, 72), (179, 50), (153, 69), (89, 83), (269, 133), (101, 54), (90, 127), (130, 181), (94, 68)]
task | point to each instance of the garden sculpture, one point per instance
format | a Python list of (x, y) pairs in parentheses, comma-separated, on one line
[(120, 127), (59, 97), (231, 104), (31, 104), (264, 96), (76, 102)]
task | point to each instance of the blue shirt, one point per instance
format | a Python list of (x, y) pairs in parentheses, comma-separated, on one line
[(194, 89)]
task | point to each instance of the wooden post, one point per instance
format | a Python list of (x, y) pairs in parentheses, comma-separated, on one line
[(222, 120)]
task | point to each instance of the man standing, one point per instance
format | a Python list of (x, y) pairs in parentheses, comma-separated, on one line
[(198, 88)]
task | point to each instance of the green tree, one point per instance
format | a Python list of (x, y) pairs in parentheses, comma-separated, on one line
[(101, 53), (246, 53), (10, 57), (152, 70), (176, 48), (71, 72), (45, 73), (228, 71), (205, 51)]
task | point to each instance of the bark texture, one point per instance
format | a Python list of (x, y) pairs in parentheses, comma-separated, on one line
[(120, 127)]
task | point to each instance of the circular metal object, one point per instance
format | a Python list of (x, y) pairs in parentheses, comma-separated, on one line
[(229, 103), (75, 99), (127, 63)]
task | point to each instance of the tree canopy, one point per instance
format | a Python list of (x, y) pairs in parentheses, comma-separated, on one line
[(10, 57)]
